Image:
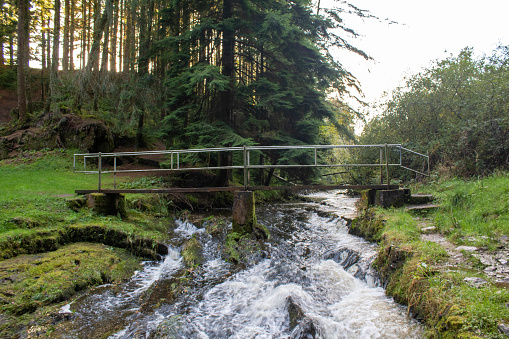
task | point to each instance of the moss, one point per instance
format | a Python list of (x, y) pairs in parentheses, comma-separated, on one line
[(34, 281), (192, 252), (260, 231), (216, 226), (244, 249), (76, 203), (368, 225), (38, 241)]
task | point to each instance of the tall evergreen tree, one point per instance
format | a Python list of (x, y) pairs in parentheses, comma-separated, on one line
[(249, 72)]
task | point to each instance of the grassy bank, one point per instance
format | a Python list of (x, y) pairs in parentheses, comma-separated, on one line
[(49, 252), (449, 265)]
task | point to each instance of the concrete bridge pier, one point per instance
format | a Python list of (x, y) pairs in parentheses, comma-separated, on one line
[(388, 198), (243, 212), (244, 216), (107, 203)]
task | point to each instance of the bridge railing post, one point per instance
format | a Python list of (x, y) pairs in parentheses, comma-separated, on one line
[(381, 166), (99, 169), (429, 170), (115, 172), (387, 168), (246, 173)]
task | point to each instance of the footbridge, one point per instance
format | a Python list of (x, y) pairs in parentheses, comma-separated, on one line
[(385, 157)]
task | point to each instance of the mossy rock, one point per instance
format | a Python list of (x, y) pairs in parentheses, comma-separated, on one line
[(261, 232), (192, 252), (217, 227), (76, 203), (243, 249)]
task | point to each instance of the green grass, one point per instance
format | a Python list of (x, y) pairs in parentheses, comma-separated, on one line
[(44, 173), (41, 265), (34, 187), (471, 212), (475, 211)]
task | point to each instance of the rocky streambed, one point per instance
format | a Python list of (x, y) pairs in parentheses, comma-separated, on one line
[(311, 279)]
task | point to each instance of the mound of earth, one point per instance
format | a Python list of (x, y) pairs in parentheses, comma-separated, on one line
[(70, 131), (8, 101)]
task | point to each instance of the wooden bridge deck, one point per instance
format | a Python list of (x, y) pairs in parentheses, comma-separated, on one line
[(238, 188)]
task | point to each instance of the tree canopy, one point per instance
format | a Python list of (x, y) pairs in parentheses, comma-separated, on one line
[(192, 73), (456, 110)]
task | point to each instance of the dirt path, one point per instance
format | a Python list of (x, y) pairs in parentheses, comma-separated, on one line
[(495, 263)]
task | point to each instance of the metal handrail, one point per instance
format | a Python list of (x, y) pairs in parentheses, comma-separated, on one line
[(175, 164)]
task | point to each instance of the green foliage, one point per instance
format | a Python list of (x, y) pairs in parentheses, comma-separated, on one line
[(277, 90), (8, 78), (456, 110)]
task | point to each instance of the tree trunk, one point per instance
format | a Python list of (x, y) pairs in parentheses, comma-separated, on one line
[(23, 58), (106, 34), (113, 54), (43, 46), (127, 38), (2, 39), (94, 54), (11, 50), (121, 35), (43, 60), (84, 35), (97, 24), (225, 109), (54, 59), (2, 57), (132, 36), (65, 47), (71, 35)]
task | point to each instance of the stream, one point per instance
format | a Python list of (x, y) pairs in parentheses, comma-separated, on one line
[(312, 267)]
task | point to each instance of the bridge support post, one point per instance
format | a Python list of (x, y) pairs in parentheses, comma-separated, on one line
[(244, 216), (107, 203), (243, 213), (391, 198)]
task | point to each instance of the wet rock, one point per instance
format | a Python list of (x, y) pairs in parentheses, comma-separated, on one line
[(428, 230), (192, 252), (295, 312), (306, 329), (345, 257), (348, 220), (61, 316), (503, 328), (467, 248), (302, 327), (474, 281)]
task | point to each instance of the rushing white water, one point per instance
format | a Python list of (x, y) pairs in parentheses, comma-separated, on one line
[(254, 302), (314, 265)]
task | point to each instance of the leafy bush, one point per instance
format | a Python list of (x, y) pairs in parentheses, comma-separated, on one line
[(456, 110)]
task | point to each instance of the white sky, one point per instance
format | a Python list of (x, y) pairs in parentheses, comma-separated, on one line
[(426, 31)]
